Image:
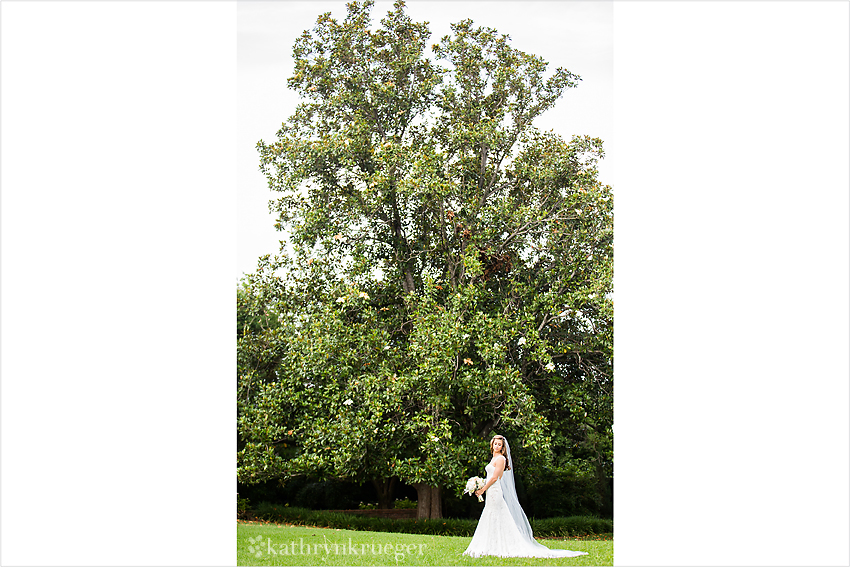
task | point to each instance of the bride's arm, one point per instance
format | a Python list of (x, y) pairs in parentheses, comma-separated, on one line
[(500, 466)]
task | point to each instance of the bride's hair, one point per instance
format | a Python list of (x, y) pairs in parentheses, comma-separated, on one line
[(502, 451)]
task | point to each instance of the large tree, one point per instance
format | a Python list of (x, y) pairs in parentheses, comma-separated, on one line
[(446, 262)]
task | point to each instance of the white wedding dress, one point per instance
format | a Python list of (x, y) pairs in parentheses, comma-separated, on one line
[(497, 533)]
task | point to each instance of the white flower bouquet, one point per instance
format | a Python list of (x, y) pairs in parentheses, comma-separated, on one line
[(474, 484)]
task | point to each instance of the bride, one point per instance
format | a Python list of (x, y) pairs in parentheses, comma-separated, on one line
[(503, 529)]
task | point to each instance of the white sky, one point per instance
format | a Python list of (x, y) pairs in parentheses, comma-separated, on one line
[(575, 35)]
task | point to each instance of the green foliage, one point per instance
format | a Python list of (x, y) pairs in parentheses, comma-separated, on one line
[(258, 350), (242, 504), (447, 269), (269, 491), (253, 314), (566, 494), (399, 504), (571, 526), (550, 527), (404, 504), (329, 495)]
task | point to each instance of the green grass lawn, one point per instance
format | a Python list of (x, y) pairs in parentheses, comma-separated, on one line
[(280, 544)]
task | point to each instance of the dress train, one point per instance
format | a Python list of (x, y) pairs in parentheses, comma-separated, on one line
[(497, 533)]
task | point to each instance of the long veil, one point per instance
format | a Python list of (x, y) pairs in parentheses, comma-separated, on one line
[(520, 519)]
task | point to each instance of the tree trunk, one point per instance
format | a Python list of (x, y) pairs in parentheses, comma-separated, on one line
[(423, 500), (402, 250), (485, 428), (429, 501), (436, 502), (408, 284), (384, 487)]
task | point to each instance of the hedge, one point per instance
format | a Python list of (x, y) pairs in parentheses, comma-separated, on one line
[(542, 527)]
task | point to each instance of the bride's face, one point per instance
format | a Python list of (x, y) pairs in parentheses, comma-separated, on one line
[(497, 446)]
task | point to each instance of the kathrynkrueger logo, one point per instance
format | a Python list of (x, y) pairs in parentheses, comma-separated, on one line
[(258, 550), (256, 547)]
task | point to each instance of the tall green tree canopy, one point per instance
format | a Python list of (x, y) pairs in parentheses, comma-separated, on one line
[(448, 266)]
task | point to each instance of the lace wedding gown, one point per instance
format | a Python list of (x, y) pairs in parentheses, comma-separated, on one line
[(497, 534)]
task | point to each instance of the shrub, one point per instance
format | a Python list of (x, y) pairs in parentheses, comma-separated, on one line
[(241, 504), (565, 494), (268, 491), (467, 507), (310, 496), (326, 495), (405, 504), (242, 511), (571, 526), (339, 495)]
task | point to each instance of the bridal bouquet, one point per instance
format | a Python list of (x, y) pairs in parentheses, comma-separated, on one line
[(474, 484)]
